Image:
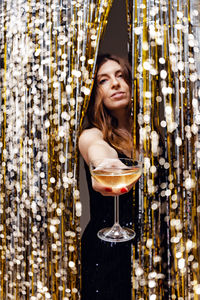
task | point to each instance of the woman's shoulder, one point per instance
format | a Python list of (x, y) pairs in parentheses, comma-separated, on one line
[(91, 132)]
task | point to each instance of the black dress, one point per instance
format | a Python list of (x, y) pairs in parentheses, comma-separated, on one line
[(106, 267)]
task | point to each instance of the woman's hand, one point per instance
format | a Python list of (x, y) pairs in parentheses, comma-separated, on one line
[(108, 191), (108, 164)]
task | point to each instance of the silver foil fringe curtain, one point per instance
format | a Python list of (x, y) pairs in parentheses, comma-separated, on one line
[(47, 51)]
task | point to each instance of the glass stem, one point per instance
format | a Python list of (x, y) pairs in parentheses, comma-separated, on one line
[(116, 209)]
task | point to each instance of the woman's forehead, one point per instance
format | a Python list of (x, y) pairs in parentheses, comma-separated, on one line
[(109, 66)]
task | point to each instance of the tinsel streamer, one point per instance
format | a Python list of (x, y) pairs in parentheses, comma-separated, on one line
[(164, 50), (47, 52)]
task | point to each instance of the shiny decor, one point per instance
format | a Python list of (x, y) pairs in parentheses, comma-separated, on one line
[(164, 49), (47, 57)]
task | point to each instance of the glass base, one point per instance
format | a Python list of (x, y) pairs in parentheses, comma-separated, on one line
[(116, 234)]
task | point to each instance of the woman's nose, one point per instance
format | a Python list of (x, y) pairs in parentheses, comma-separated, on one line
[(115, 82)]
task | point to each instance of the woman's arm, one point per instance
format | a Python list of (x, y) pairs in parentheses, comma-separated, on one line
[(93, 147)]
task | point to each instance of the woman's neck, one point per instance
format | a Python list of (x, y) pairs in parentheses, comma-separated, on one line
[(124, 125), (123, 121)]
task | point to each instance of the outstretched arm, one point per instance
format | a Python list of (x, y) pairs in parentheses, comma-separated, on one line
[(93, 147)]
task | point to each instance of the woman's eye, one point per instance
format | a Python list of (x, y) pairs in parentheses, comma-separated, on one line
[(102, 81), (120, 75)]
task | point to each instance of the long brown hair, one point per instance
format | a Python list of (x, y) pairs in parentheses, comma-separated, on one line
[(100, 117)]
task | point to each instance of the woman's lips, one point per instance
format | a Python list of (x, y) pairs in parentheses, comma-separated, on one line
[(118, 95)]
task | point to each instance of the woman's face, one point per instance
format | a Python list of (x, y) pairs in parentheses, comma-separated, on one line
[(113, 89)]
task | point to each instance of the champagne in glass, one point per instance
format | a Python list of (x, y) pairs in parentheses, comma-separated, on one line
[(116, 173), (116, 179)]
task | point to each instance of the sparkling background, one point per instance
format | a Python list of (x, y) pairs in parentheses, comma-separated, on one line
[(47, 56), (47, 51), (164, 40)]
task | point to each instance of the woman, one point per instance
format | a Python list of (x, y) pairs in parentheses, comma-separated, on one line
[(106, 267)]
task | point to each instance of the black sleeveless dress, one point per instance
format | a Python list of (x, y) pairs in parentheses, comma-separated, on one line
[(106, 267)]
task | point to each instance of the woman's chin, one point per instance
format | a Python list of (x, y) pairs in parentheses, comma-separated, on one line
[(118, 104)]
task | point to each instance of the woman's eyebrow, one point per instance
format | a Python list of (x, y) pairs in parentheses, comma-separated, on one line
[(106, 74), (103, 74), (118, 71)]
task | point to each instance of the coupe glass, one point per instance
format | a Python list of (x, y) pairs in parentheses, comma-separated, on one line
[(116, 173)]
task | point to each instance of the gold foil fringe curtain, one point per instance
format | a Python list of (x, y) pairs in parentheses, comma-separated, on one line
[(47, 51), (164, 48)]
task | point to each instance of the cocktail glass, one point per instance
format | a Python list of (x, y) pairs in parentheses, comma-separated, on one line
[(116, 173)]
